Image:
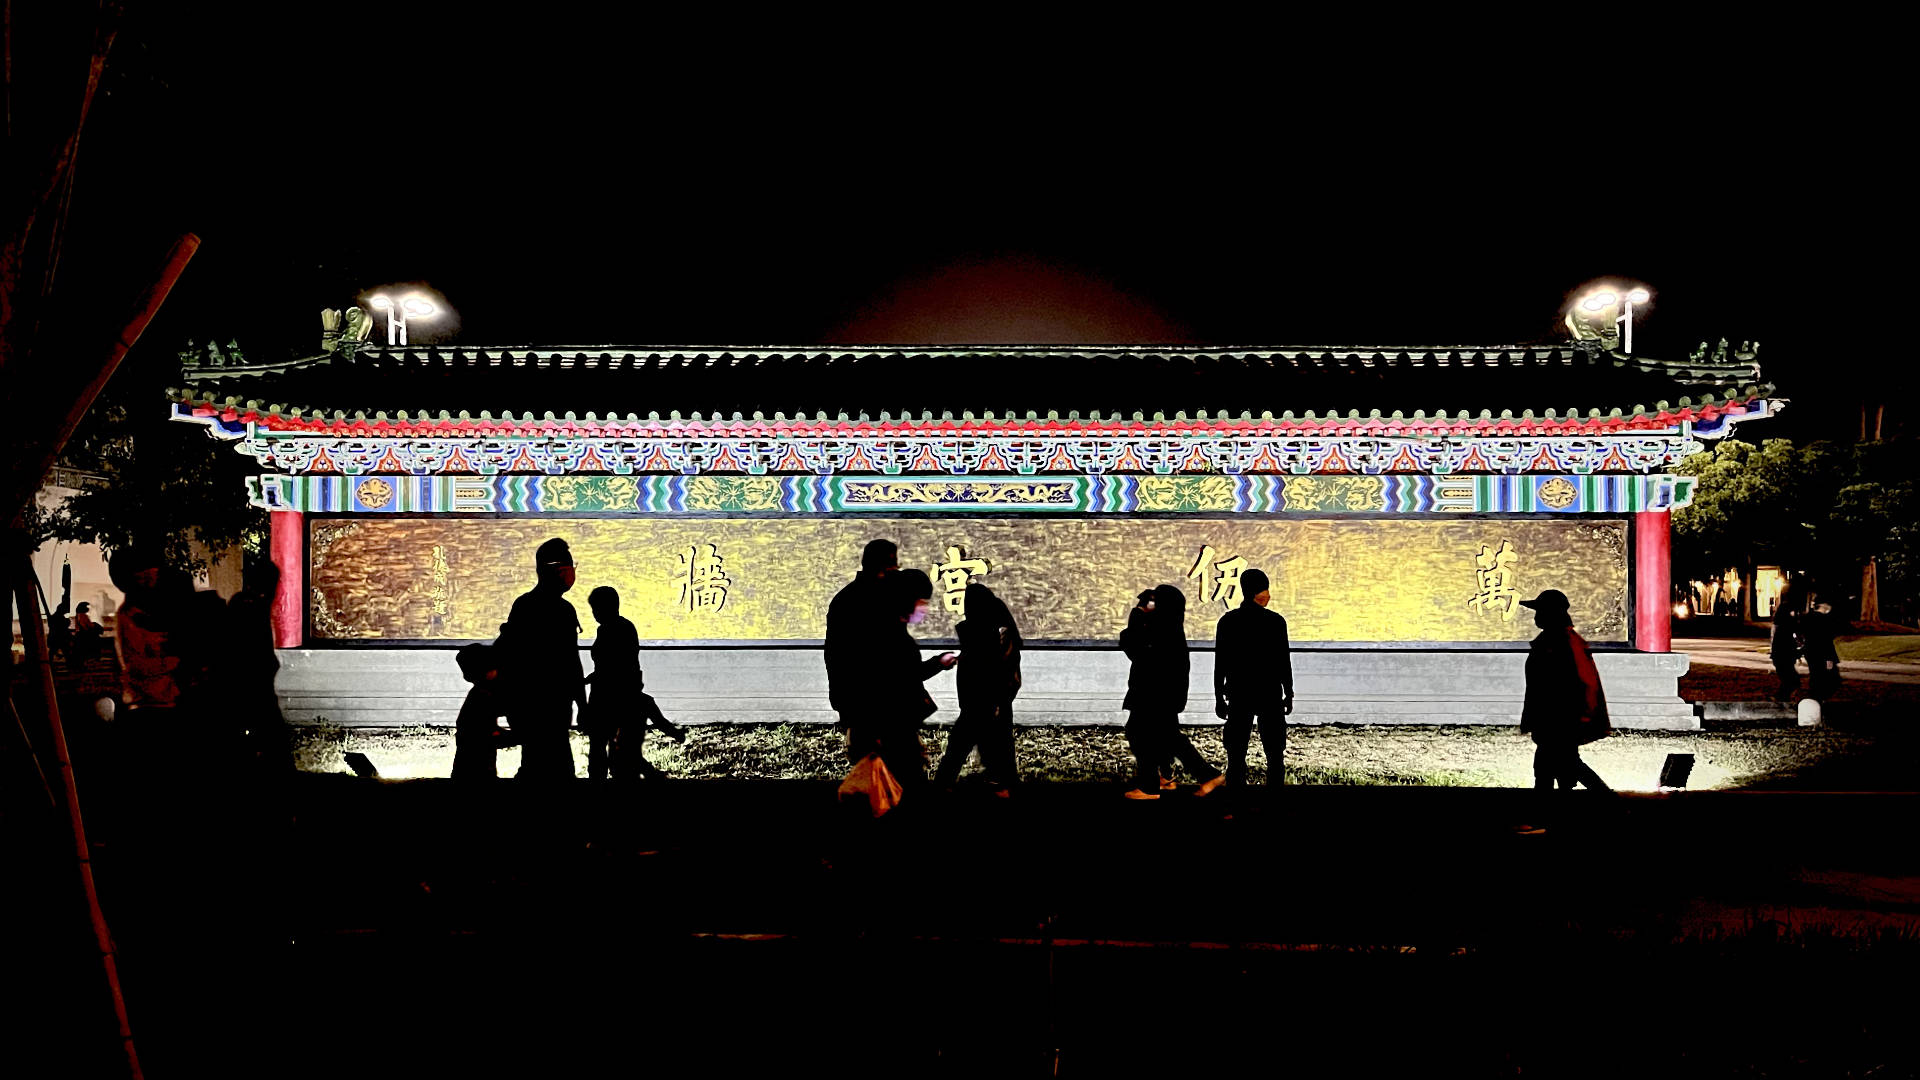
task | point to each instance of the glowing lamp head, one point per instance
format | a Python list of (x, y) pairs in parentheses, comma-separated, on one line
[(418, 307), (381, 302), (1599, 301), (1638, 296)]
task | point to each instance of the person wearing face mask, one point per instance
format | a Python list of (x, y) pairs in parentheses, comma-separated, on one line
[(893, 702), (1565, 706), (541, 642)]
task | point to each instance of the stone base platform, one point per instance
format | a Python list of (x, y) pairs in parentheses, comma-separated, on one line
[(388, 687)]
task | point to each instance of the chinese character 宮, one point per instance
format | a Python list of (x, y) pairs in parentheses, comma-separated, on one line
[(703, 578), (1218, 579), (1495, 572), (953, 575)]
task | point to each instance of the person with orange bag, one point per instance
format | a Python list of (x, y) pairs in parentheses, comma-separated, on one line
[(1565, 707)]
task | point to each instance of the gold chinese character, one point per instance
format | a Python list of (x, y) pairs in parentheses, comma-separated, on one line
[(953, 575), (1495, 572), (704, 580), (1219, 579)]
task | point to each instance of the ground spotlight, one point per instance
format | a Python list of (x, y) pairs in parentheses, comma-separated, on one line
[(1673, 774)]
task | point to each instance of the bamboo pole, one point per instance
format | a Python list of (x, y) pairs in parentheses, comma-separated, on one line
[(24, 588)]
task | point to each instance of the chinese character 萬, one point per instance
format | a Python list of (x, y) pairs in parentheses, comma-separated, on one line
[(1495, 573), (703, 578), (953, 575), (1218, 580)]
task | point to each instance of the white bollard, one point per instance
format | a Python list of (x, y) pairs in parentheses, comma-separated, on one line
[(1809, 712)]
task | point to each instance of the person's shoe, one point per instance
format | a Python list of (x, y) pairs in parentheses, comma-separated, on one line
[(1529, 830), (1168, 783), (1137, 794), (1209, 787)]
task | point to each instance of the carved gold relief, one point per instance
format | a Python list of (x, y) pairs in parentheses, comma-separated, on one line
[(1378, 580)]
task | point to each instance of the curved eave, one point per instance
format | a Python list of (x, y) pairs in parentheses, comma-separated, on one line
[(1748, 402)]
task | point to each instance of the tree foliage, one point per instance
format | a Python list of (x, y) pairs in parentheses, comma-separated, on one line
[(1823, 507), (167, 483)]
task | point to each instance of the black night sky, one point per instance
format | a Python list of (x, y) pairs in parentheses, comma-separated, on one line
[(576, 181)]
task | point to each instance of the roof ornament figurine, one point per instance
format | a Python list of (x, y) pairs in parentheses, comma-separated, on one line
[(343, 332)]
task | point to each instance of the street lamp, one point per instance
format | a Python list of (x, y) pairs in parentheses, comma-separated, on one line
[(411, 306), (1600, 301)]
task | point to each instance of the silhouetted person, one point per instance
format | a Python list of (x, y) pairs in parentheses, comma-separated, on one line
[(545, 679), (1818, 630), (477, 737), (988, 679), (858, 616), (1253, 679), (87, 634), (1156, 694), (619, 712), (59, 635), (252, 666), (888, 702), (1784, 647), (1565, 706)]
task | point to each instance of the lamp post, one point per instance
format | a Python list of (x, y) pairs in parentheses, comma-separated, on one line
[(411, 306), (1604, 299)]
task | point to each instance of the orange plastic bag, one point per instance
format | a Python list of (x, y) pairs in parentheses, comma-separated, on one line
[(872, 780)]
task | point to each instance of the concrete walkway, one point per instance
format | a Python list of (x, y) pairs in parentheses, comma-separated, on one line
[(1751, 653)]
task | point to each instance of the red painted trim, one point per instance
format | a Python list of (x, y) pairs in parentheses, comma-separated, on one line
[(1652, 581), (286, 540), (1372, 426)]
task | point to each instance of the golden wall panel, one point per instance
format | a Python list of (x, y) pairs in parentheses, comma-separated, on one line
[(770, 579)]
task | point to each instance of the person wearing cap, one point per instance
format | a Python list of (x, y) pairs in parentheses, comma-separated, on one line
[(541, 641), (1253, 679), (1565, 706), (856, 618)]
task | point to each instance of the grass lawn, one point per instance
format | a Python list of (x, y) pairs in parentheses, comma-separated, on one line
[(1887, 647), (1319, 755)]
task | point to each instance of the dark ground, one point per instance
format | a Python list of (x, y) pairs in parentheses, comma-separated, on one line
[(380, 928)]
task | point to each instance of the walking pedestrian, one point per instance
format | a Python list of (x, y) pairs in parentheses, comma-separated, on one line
[(541, 640), (1784, 647), (988, 679), (1253, 679), (1565, 707), (1818, 630), (1156, 694)]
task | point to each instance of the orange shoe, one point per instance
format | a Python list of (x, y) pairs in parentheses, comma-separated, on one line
[(1137, 794), (1168, 783), (1211, 786)]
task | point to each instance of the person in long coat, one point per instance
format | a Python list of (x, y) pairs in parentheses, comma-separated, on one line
[(988, 679), (541, 642), (1157, 693), (859, 614), (887, 704), (1565, 706)]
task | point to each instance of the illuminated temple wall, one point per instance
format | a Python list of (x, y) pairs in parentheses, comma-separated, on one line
[(691, 581)]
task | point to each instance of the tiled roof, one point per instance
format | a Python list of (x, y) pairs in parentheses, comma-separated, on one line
[(434, 386)]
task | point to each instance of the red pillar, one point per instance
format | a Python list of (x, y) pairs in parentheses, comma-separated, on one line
[(289, 554), (1652, 582)]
